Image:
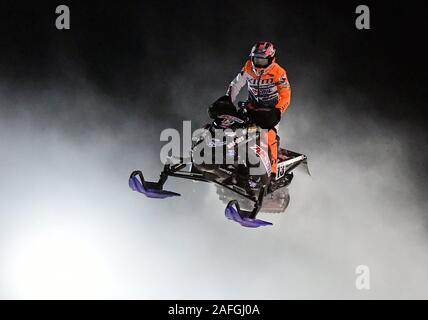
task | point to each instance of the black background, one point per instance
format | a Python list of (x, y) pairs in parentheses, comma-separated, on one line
[(125, 46)]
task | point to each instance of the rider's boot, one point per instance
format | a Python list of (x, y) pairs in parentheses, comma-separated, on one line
[(273, 183)]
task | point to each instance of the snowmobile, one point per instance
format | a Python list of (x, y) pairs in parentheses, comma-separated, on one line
[(245, 190)]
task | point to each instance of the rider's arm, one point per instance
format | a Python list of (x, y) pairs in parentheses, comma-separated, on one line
[(236, 85), (284, 92)]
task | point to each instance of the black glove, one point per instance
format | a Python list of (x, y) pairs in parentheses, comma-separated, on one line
[(265, 118)]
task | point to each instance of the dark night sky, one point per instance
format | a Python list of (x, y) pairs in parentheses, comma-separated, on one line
[(123, 47)]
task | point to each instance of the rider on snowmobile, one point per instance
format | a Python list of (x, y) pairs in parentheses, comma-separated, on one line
[(269, 93)]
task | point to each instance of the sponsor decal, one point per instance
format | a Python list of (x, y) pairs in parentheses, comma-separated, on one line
[(282, 167), (263, 155), (215, 143), (228, 120), (263, 81)]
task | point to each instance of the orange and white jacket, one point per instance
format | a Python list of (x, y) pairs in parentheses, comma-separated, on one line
[(269, 89)]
